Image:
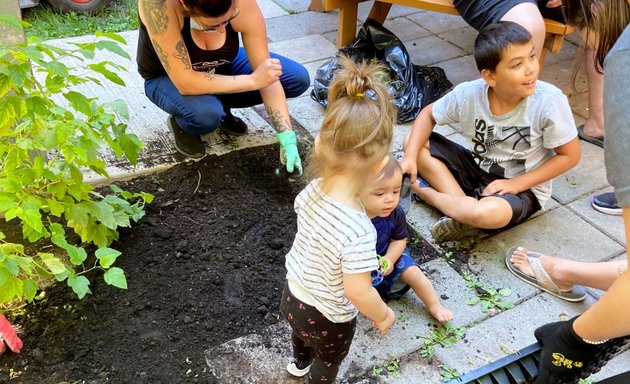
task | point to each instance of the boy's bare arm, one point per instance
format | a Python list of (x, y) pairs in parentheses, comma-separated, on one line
[(567, 156), (395, 249), (418, 138)]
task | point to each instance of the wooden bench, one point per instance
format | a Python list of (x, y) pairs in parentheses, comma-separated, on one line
[(348, 10)]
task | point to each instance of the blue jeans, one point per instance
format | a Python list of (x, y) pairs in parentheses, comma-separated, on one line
[(199, 114)]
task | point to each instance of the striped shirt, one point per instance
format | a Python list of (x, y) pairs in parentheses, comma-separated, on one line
[(331, 239)]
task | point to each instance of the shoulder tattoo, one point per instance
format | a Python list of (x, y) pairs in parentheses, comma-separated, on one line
[(277, 121), (156, 20), (182, 54)]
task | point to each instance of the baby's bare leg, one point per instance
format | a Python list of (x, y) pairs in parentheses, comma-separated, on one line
[(421, 285)]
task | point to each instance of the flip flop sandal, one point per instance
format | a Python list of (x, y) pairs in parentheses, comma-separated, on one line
[(541, 278), (599, 141)]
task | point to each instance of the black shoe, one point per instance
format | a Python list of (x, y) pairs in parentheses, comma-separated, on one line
[(185, 143), (232, 125)]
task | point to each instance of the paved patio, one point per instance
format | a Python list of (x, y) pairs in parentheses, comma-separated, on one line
[(570, 228)]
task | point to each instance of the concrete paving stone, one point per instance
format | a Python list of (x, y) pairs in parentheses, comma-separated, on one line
[(560, 75), (414, 369), (560, 232), (580, 181), (305, 49), (293, 6), (270, 9), (460, 69), (437, 22), (395, 11), (579, 102), (505, 333), (307, 112), (400, 131), (609, 224), (463, 38), (422, 217), (431, 50), (405, 29), (301, 24), (567, 53)]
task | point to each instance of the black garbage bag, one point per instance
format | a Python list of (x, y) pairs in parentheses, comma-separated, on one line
[(412, 86)]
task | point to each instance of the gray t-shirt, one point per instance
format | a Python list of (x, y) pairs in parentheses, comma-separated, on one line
[(617, 117), (512, 144)]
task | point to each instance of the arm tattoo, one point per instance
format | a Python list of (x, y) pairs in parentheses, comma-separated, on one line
[(209, 74), (277, 122), (155, 15), (162, 56), (182, 54)]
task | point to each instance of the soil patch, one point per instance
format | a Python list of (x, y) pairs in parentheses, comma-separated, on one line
[(205, 265)]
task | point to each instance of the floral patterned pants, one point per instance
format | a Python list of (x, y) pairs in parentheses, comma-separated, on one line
[(316, 339)]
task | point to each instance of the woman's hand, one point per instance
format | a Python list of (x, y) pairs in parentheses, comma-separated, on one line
[(267, 73)]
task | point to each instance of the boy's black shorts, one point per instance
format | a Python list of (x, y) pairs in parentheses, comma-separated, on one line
[(473, 180)]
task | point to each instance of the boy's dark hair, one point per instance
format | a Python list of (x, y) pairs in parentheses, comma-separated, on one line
[(494, 39)]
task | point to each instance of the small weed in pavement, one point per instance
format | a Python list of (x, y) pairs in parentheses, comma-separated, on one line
[(449, 374), (488, 298), (445, 335)]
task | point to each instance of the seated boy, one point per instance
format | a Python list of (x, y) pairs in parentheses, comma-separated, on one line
[(520, 132), (380, 199)]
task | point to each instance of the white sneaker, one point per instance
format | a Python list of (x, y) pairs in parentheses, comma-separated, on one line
[(297, 372)]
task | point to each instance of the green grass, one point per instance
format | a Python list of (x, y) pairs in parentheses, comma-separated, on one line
[(118, 16)]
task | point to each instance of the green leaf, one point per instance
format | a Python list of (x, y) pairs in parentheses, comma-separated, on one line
[(110, 35), (7, 203), (30, 288), (505, 292), (116, 277), (52, 262), (113, 47), (79, 102), (77, 254), (473, 300), (80, 285), (104, 213), (55, 207), (78, 214), (109, 75), (4, 275), (10, 21), (11, 289), (106, 256)]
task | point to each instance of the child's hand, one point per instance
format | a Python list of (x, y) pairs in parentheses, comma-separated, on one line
[(386, 324), (502, 187), (387, 266), (410, 168)]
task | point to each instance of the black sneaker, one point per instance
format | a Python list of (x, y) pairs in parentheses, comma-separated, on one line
[(606, 203), (232, 125), (185, 143)]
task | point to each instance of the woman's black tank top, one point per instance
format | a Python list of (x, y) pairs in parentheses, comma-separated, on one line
[(149, 65)]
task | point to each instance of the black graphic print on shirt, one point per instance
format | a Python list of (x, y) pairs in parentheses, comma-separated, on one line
[(495, 147)]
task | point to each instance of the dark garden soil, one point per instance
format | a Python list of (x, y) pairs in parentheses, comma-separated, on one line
[(205, 265)]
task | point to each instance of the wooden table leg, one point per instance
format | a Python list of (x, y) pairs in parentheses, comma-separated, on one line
[(347, 25), (379, 11)]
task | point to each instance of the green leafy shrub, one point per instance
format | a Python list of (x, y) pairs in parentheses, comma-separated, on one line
[(50, 136)]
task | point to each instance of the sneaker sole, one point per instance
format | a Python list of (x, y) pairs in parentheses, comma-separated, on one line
[(608, 211), (452, 230), (295, 371)]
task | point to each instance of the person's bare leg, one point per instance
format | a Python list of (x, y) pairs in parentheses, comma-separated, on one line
[(435, 172), (565, 273), (594, 125), (421, 285), (528, 15)]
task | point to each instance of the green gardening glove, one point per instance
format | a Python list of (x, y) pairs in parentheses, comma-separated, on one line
[(289, 155)]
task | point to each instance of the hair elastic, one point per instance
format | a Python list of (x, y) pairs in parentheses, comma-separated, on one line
[(360, 94)]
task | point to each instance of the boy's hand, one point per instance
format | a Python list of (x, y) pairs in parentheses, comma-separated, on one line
[(386, 324), (502, 187), (389, 267)]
